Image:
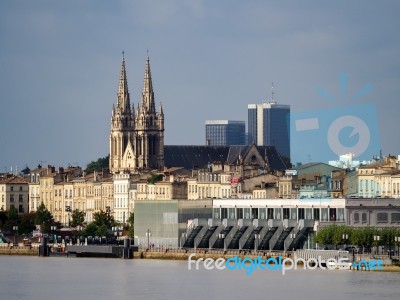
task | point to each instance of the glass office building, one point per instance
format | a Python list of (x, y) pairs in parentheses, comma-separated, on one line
[(225, 133), (269, 125), (162, 222)]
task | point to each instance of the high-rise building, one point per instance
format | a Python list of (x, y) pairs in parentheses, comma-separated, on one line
[(269, 125), (225, 133), (136, 139)]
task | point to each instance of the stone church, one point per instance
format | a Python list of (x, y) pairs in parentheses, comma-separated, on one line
[(137, 136)]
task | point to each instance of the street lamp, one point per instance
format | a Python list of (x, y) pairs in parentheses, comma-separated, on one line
[(345, 238), (148, 234), (377, 238), (15, 228), (79, 228), (257, 237), (53, 228), (292, 236), (397, 240), (68, 210), (222, 236)]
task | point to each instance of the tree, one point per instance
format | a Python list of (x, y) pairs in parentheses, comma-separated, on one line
[(90, 230), (43, 218), (27, 223), (3, 219), (77, 218), (154, 178), (98, 165), (131, 222), (102, 231), (103, 218), (26, 171)]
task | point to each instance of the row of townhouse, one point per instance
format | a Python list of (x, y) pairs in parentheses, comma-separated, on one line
[(65, 190), (14, 193), (318, 180)]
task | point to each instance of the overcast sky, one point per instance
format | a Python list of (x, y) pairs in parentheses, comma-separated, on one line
[(60, 63)]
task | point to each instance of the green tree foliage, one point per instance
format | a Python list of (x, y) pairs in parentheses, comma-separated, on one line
[(77, 218), (358, 236), (131, 222), (102, 231), (27, 223), (155, 178), (11, 219), (98, 165), (26, 171), (44, 218), (90, 230), (3, 219), (102, 218)]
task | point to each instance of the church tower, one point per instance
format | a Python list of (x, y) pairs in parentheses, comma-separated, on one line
[(122, 135), (149, 127), (136, 139)]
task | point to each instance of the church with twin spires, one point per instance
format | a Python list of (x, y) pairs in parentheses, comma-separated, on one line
[(137, 136)]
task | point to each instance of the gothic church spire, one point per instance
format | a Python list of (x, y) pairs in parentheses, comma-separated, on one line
[(147, 93), (123, 93)]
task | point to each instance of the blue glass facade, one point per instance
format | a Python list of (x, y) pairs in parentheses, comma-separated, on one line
[(225, 133), (269, 125), (277, 128), (252, 124)]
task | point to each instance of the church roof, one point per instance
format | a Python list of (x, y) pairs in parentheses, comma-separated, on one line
[(191, 157)]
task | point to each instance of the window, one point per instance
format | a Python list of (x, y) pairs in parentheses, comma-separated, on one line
[(332, 214), (11, 198), (20, 188), (239, 212), (21, 198), (301, 213), (324, 213), (12, 188), (356, 218), (270, 213), (364, 217), (340, 214), (382, 217), (254, 213), (286, 213), (224, 213), (395, 217)]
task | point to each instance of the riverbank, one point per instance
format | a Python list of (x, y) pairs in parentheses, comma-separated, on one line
[(26, 251)]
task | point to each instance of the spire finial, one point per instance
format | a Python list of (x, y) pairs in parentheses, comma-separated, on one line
[(123, 52)]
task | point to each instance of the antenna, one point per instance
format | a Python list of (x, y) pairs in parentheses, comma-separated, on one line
[(272, 91)]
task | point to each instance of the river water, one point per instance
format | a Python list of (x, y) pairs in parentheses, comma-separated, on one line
[(96, 278)]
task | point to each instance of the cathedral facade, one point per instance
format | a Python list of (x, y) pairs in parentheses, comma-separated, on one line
[(137, 136)]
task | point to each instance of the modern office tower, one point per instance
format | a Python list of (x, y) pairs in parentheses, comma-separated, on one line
[(269, 125), (225, 133)]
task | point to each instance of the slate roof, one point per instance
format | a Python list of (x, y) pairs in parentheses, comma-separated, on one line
[(190, 157)]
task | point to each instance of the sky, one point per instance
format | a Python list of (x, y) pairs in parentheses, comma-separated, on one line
[(60, 63)]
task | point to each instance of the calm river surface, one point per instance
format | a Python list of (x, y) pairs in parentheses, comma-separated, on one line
[(96, 278)]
